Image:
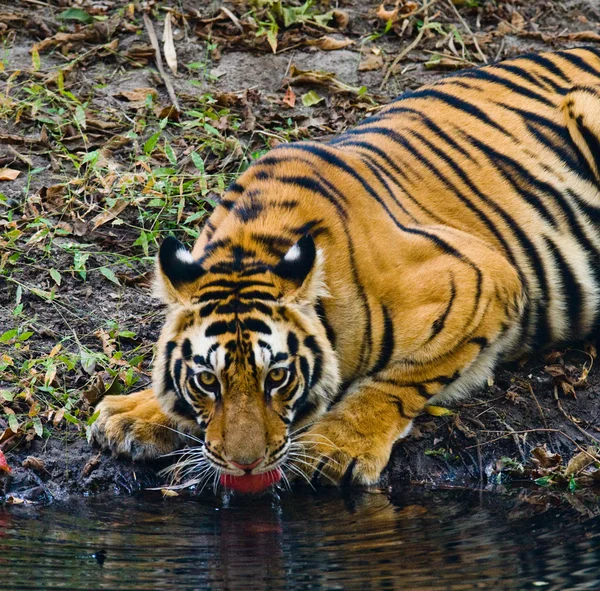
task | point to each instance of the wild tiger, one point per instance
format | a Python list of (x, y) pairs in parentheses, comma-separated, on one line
[(340, 287)]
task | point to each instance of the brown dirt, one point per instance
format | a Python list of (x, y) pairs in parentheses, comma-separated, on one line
[(516, 413)]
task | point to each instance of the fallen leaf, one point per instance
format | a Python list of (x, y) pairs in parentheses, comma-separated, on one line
[(579, 462), (545, 459), (371, 62), (341, 18), (75, 14), (9, 174), (4, 467), (138, 94), (169, 493), (33, 463), (328, 43), (290, 97), (109, 214), (91, 465), (438, 411), (320, 78), (169, 45), (311, 98)]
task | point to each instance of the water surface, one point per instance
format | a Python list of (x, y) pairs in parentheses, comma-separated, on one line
[(413, 540)]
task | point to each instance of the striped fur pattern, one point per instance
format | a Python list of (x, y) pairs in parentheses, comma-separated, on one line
[(391, 267)]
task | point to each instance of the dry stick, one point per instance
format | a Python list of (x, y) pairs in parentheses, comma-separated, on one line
[(567, 416), (466, 26), (159, 64), (408, 48)]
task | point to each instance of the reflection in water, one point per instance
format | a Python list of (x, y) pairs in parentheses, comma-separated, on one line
[(413, 540)]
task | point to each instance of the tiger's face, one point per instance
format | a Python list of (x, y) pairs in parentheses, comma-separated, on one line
[(244, 354)]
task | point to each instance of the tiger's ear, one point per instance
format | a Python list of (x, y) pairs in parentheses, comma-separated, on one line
[(176, 272), (300, 272)]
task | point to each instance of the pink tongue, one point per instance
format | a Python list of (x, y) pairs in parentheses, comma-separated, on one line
[(251, 483)]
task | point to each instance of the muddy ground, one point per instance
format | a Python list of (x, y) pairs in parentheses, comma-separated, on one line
[(99, 165)]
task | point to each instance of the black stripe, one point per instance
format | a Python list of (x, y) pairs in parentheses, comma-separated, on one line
[(456, 103), (256, 325), (334, 160), (386, 349), (311, 343), (439, 323), (292, 343), (236, 285), (389, 162), (311, 184), (235, 188), (547, 64), (186, 349), (485, 74), (572, 291), (517, 71), (320, 310), (220, 327), (592, 142), (275, 244), (580, 63)]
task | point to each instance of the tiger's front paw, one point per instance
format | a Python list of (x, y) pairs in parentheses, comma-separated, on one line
[(135, 426), (334, 452)]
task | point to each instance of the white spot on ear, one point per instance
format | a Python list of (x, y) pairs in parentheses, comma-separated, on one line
[(293, 254), (184, 255)]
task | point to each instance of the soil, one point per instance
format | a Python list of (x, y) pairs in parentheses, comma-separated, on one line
[(548, 401)]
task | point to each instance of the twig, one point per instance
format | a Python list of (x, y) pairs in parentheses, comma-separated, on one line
[(234, 19), (567, 416), (511, 433), (530, 388), (159, 63), (466, 26), (406, 50)]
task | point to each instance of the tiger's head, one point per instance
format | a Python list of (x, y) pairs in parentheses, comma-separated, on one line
[(243, 352)]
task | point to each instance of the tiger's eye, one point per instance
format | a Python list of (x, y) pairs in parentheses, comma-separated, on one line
[(207, 378), (277, 375)]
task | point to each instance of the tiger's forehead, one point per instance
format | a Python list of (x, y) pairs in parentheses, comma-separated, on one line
[(216, 341)]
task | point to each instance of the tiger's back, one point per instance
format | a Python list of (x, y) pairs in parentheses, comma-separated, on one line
[(489, 152)]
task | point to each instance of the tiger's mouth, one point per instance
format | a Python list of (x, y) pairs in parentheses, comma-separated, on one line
[(201, 467)]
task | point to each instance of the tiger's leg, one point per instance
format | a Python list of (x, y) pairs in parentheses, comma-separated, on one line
[(137, 427), (354, 439)]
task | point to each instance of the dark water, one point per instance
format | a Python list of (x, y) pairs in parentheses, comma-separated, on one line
[(411, 540)]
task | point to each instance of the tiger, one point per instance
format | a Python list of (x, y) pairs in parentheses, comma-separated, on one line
[(340, 287)]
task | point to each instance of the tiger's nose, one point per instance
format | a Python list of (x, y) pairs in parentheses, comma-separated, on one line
[(247, 467)]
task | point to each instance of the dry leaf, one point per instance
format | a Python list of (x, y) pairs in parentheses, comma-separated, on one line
[(438, 411), (579, 462), (169, 493), (328, 43), (517, 21), (341, 18), (9, 174), (545, 459), (34, 463), (138, 94), (109, 214), (169, 45), (4, 467), (320, 78), (290, 97), (371, 62)]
